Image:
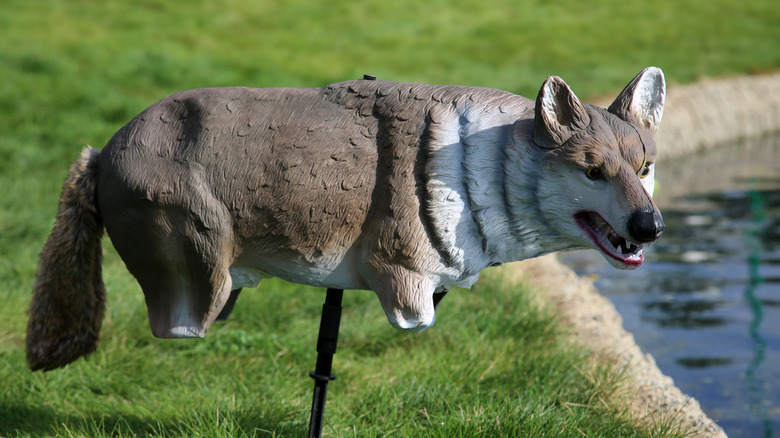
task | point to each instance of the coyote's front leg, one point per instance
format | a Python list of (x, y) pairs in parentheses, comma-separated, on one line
[(407, 298)]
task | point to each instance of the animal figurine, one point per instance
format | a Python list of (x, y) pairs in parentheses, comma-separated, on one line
[(404, 189)]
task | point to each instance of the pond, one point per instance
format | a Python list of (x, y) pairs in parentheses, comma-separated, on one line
[(706, 303)]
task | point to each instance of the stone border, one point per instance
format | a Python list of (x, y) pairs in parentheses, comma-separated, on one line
[(696, 117), (716, 112)]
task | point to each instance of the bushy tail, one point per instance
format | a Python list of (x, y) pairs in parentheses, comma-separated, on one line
[(68, 300)]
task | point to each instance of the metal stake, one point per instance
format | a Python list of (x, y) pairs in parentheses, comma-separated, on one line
[(326, 348)]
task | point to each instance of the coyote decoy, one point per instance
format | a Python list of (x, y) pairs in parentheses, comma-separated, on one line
[(404, 189)]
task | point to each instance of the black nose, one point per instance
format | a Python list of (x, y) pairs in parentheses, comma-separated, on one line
[(646, 226)]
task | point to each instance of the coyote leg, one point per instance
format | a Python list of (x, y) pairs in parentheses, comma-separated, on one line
[(184, 291), (180, 263), (407, 298)]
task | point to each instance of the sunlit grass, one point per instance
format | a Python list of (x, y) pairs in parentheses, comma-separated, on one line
[(494, 365)]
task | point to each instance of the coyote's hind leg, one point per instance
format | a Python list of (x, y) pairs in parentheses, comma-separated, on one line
[(181, 260)]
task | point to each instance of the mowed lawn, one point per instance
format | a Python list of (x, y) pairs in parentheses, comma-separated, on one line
[(497, 363)]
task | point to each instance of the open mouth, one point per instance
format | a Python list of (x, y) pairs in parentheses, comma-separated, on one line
[(606, 239)]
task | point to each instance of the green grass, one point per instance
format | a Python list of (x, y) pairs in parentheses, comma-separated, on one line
[(73, 71), (495, 365)]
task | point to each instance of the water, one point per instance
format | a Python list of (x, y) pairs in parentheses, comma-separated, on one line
[(706, 304)]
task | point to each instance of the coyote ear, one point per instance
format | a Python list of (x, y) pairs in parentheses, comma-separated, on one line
[(558, 114), (642, 101)]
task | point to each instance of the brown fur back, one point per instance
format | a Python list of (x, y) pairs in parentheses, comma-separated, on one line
[(68, 300)]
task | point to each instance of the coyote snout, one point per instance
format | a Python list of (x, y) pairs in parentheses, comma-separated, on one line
[(404, 189), (646, 226)]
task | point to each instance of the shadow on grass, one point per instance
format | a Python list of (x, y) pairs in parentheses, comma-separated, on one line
[(32, 420), (26, 420)]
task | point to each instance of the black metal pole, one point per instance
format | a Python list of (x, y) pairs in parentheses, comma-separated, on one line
[(326, 348)]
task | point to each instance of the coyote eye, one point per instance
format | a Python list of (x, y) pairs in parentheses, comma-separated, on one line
[(645, 170), (594, 173)]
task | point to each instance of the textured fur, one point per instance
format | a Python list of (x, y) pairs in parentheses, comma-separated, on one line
[(404, 189), (68, 301)]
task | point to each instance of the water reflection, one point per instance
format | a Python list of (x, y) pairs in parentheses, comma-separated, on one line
[(755, 244), (707, 302), (684, 314), (704, 362)]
